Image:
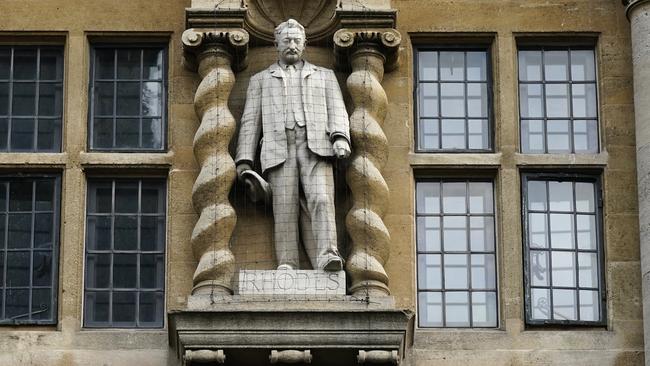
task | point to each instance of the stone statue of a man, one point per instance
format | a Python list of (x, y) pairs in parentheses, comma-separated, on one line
[(297, 110)]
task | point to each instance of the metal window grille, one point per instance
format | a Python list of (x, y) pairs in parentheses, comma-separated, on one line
[(29, 245), (558, 101), (128, 103), (125, 254), (453, 94), (563, 256), (457, 281), (31, 98)]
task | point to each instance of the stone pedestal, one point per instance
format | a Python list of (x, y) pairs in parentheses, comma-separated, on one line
[(291, 282)]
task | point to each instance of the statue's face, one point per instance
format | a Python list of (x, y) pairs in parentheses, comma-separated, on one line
[(291, 44)]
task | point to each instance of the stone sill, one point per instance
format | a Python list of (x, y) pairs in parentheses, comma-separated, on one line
[(454, 159), (117, 159), (599, 160), (40, 160)]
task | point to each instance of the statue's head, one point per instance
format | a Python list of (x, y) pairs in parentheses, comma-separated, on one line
[(290, 41)]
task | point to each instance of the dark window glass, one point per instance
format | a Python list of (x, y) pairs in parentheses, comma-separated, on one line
[(563, 250), (31, 99), (28, 249), (453, 100), (456, 254), (128, 99), (125, 254), (558, 101)]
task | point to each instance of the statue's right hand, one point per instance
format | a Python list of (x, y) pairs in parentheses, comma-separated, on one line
[(241, 168)]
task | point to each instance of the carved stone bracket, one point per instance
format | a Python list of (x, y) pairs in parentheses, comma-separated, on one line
[(378, 356), (203, 356), (214, 54), (290, 357), (367, 52)]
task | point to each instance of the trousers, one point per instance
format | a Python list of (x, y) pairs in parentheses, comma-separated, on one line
[(303, 204)]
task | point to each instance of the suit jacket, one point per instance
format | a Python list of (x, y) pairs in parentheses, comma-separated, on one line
[(267, 107)]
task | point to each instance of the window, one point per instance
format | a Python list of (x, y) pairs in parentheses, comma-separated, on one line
[(453, 101), (128, 98), (563, 250), (29, 243), (557, 101), (125, 254), (456, 254), (31, 99)]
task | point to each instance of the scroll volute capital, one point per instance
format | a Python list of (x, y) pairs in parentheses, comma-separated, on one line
[(231, 43), (384, 42)]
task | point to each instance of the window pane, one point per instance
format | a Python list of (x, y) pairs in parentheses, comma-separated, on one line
[(152, 99), (19, 231), (532, 136), (537, 230), (43, 226), (585, 136), (557, 100), (104, 94), (5, 63), (127, 131), (453, 134), (559, 136), (49, 99), (153, 199), (428, 100), (452, 65), (481, 234), (454, 197), (455, 233), (152, 133), (152, 233), (126, 197), (556, 65), (22, 134), (42, 275), (588, 270), (480, 197), (104, 63), (457, 309), (24, 64), (20, 195), (483, 271), (476, 66), (18, 269), (97, 308), (539, 268), (24, 99), (17, 304), (479, 134), (98, 270), (589, 306), (561, 196), (583, 65), (540, 304), (4, 99), (126, 232), (428, 65), (562, 231), (430, 309), (530, 65), (564, 269), (536, 195), (152, 271), (531, 105), (429, 272), (152, 62), (456, 271), (124, 308), (51, 65), (128, 63), (477, 100), (128, 99), (428, 134), (428, 197), (99, 233), (41, 304), (564, 305), (103, 133), (48, 138), (4, 129), (484, 309), (428, 234), (151, 309), (100, 198), (125, 270), (452, 96), (584, 100), (586, 231), (585, 197)]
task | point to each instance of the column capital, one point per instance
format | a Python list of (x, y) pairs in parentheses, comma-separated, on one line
[(383, 41), (631, 4), (231, 42)]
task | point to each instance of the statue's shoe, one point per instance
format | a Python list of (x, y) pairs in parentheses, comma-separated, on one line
[(333, 264), (285, 267)]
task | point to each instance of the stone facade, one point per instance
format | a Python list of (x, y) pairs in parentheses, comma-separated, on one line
[(621, 58)]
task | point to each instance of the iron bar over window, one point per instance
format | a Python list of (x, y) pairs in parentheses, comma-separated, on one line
[(29, 244), (563, 250), (125, 254), (453, 100), (558, 101), (456, 254), (128, 99), (31, 98)]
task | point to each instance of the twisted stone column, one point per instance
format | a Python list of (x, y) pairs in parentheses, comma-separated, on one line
[(214, 54), (367, 52), (638, 11)]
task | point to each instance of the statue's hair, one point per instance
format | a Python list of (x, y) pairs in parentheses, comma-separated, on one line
[(291, 23)]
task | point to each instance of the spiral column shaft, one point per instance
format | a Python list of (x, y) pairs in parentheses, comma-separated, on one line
[(370, 246), (212, 53)]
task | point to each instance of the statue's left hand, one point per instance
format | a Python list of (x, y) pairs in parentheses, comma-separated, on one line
[(341, 148)]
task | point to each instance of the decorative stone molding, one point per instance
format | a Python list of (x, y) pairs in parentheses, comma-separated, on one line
[(631, 4), (290, 356), (214, 54), (378, 356), (367, 52), (204, 355)]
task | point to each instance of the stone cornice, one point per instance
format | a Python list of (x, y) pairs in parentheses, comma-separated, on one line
[(631, 4), (233, 42), (385, 41)]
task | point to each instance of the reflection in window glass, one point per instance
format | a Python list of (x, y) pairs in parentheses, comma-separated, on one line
[(558, 101), (563, 273), (456, 254), (125, 254), (128, 101), (453, 101)]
